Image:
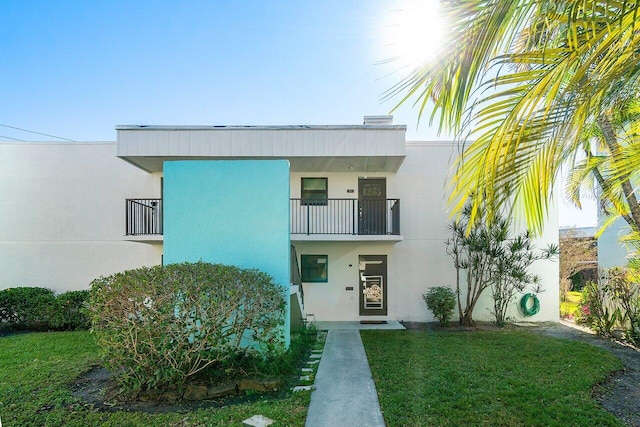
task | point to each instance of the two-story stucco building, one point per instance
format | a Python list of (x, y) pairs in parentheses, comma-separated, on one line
[(354, 216)]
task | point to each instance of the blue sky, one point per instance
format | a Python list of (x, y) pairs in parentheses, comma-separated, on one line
[(78, 68), (75, 69)]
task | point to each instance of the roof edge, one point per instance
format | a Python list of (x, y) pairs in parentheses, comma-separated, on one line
[(259, 127)]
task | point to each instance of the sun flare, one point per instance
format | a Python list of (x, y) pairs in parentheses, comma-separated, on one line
[(415, 33)]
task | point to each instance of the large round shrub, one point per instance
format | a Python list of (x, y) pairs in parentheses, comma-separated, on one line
[(158, 326), (69, 311)]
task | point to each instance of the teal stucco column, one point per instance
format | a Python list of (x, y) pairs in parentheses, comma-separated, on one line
[(233, 212)]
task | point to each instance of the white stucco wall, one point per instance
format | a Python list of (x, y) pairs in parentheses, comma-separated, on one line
[(418, 261), (62, 214), (339, 183), (62, 224)]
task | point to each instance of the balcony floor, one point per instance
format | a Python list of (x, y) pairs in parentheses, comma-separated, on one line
[(145, 238), (345, 238)]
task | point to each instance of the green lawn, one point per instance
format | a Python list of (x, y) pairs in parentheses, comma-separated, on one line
[(423, 379), (501, 378), (36, 371)]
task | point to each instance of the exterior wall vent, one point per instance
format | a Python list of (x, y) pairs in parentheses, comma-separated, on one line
[(378, 120)]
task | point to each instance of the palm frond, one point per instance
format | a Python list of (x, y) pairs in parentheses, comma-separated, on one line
[(526, 81)]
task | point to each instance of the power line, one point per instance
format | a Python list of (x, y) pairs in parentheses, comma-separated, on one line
[(15, 139), (38, 133)]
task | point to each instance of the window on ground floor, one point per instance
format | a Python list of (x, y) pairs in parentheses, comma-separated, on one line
[(314, 268)]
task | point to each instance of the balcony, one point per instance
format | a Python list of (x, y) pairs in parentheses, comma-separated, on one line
[(345, 219), (320, 220), (143, 219)]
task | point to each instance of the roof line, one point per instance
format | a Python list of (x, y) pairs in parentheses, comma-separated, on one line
[(259, 127)]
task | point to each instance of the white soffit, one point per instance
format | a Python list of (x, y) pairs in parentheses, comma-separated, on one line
[(360, 148)]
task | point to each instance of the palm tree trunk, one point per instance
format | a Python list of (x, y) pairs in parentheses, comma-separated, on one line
[(612, 143), (605, 185)]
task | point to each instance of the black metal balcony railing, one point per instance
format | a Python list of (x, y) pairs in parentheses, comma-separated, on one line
[(143, 216), (330, 216), (346, 216)]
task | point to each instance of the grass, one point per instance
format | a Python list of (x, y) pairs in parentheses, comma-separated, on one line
[(37, 371), (498, 378), (507, 378), (571, 305)]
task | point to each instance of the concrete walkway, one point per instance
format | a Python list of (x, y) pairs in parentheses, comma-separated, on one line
[(328, 326), (345, 394)]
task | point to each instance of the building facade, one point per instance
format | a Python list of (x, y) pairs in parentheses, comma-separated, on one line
[(365, 213)]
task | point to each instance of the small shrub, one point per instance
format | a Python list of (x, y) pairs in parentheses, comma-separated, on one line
[(596, 309), (624, 288), (441, 301), (157, 327), (281, 364), (70, 311), (26, 308), (613, 303)]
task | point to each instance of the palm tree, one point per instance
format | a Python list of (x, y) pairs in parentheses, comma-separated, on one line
[(611, 153), (525, 80)]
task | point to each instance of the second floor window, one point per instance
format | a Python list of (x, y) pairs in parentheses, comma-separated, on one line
[(314, 191)]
